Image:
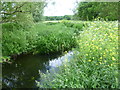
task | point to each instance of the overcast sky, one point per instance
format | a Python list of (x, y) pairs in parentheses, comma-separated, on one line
[(59, 8)]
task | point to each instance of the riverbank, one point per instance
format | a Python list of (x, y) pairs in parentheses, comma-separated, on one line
[(41, 38), (96, 66)]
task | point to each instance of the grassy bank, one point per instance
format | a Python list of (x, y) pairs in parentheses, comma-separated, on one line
[(96, 66), (40, 38)]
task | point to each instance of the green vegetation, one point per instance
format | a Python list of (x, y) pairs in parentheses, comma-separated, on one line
[(65, 17), (92, 10), (17, 23), (96, 64), (22, 12), (39, 39)]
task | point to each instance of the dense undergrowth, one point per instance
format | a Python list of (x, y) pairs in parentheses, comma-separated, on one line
[(96, 66), (40, 38)]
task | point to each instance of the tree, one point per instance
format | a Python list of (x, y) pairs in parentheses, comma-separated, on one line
[(38, 11), (21, 11), (92, 10)]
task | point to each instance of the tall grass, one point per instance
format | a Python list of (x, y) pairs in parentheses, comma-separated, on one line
[(96, 66), (54, 38), (41, 38)]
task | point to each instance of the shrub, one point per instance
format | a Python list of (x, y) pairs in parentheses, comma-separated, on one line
[(40, 38), (55, 38)]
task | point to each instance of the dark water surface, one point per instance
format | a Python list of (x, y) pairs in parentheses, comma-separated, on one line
[(23, 72)]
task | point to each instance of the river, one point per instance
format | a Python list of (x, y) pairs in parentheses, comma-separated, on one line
[(24, 71)]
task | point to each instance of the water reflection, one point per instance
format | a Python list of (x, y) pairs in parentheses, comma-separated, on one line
[(23, 72), (55, 63)]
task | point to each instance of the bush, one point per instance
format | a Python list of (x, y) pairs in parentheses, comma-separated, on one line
[(77, 25), (96, 64), (55, 38), (39, 39)]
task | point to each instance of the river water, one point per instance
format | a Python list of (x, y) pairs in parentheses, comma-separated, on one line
[(24, 71)]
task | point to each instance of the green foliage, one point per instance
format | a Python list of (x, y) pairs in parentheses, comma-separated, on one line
[(38, 11), (40, 38), (22, 12), (77, 25), (65, 17), (96, 65), (92, 10), (55, 38)]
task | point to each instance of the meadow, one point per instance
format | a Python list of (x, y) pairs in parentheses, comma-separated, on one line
[(96, 65)]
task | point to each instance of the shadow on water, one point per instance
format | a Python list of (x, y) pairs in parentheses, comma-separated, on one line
[(23, 72)]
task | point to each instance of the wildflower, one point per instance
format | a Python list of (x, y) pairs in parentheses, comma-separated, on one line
[(97, 47), (104, 53), (111, 64), (89, 60), (65, 52), (100, 57), (86, 54), (110, 50), (113, 58), (105, 61), (115, 28), (100, 62)]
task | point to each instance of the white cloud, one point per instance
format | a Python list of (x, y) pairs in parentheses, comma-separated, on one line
[(60, 8)]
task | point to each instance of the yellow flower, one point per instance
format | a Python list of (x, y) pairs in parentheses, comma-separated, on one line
[(65, 52), (100, 62), (100, 48), (97, 47), (100, 57), (105, 61), (89, 60), (115, 28), (86, 54), (111, 64), (110, 50), (113, 58), (104, 53)]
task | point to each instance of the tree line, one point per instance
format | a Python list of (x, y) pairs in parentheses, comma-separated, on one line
[(65, 17), (92, 10), (28, 12)]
